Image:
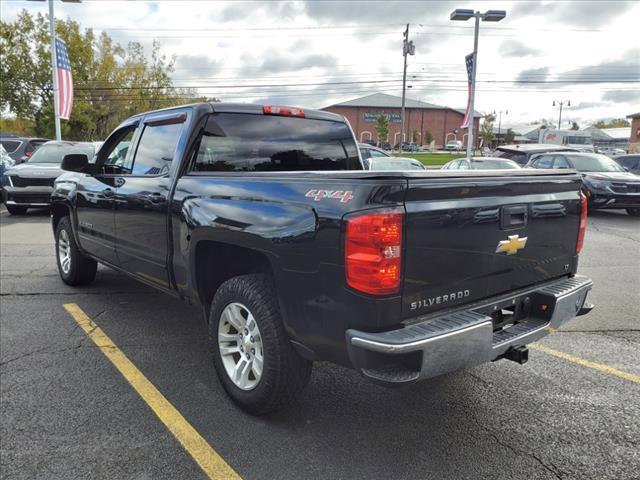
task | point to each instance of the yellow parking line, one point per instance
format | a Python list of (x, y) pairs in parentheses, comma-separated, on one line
[(205, 456), (587, 363)]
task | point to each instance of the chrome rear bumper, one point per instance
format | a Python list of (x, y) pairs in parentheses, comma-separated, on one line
[(464, 338)]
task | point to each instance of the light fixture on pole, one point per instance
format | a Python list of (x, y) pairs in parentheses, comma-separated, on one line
[(462, 14), (561, 103), (54, 66), (408, 48)]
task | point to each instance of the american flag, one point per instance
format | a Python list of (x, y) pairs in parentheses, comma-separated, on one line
[(65, 81), (468, 115)]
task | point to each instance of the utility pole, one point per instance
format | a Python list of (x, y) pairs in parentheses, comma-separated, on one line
[(561, 103), (506, 112), (408, 48), (54, 69)]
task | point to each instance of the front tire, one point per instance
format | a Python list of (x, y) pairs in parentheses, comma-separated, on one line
[(75, 269), (634, 212), (16, 209), (255, 362)]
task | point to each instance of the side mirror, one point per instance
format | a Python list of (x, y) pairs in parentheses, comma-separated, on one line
[(75, 162)]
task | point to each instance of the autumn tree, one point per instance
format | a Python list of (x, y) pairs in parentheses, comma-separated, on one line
[(486, 129), (382, 128), (111, 82), (509, 136), (615, 123)]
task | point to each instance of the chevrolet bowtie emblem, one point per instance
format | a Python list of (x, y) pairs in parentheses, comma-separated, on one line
[(512, 245)]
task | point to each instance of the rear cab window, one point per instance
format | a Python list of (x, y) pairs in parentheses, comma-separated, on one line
[(518, 157), (240, 142)]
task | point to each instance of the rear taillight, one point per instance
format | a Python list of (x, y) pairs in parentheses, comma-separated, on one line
[(583, 222), (27, 154), (284, 111), (373, 252)]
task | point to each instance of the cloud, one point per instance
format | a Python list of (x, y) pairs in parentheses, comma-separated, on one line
[(195, 65), (622, 96), (586, 14), (537, 74), (586, 105), (248, 10), (378, 12), (276, 61), (516, 48), (626, 68)]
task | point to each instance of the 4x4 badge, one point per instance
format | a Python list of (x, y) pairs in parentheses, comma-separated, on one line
[(512, 245)]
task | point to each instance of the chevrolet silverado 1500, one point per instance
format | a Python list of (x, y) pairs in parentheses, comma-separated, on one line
[(264, 217)]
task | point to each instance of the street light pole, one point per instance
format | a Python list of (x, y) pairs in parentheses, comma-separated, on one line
[(408, 48), (506, 112), (561, 103), (54, 69), (473, 86), (488, 16)]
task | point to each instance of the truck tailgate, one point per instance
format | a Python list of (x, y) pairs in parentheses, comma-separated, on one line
[(471, 237)]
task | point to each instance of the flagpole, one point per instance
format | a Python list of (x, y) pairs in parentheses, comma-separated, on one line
[(54, 69), (473, 87)]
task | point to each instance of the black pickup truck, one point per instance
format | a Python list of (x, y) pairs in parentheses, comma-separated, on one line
[(264, 217)]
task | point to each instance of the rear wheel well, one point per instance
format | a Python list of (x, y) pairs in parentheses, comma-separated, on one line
[(58, 211), (217, 262)]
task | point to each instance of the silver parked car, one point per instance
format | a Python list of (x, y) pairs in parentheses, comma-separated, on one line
[(29, 185), (375, 158), (481, 163)]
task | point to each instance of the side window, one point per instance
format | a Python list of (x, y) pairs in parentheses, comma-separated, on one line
[(366, 153), (156, 148), (463, 165), (545, 161), (631, 162), (113, 154), (560, 162), (10, 145), (377, 154)]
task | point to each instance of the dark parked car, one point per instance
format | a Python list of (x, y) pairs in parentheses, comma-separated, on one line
[(605, 183), (21, 148), (263, 217), (630, 163), (481, 163), (30, 184), (375, 158), (521, 154)]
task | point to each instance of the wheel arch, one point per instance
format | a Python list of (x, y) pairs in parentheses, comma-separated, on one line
[(214, 262)]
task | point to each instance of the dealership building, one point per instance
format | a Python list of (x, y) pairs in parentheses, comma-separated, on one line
[(443, 122)]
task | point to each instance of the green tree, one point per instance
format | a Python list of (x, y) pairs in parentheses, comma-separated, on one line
[(509, 136), (574, 126), (110, 82), (382, 128), (428, 137), (486, 129), (615, 123)]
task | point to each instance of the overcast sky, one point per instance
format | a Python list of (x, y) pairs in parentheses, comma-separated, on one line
[(344, 50)]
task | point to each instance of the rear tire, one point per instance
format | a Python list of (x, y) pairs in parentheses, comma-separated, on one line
[(75, 269), (634, 212), (281, 373), (16, 209)]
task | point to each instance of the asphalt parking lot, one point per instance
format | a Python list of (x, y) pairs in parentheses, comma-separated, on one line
[(66, 412)]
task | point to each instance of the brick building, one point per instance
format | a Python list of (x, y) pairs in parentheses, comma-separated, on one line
[(634, 139), (443, 122)]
